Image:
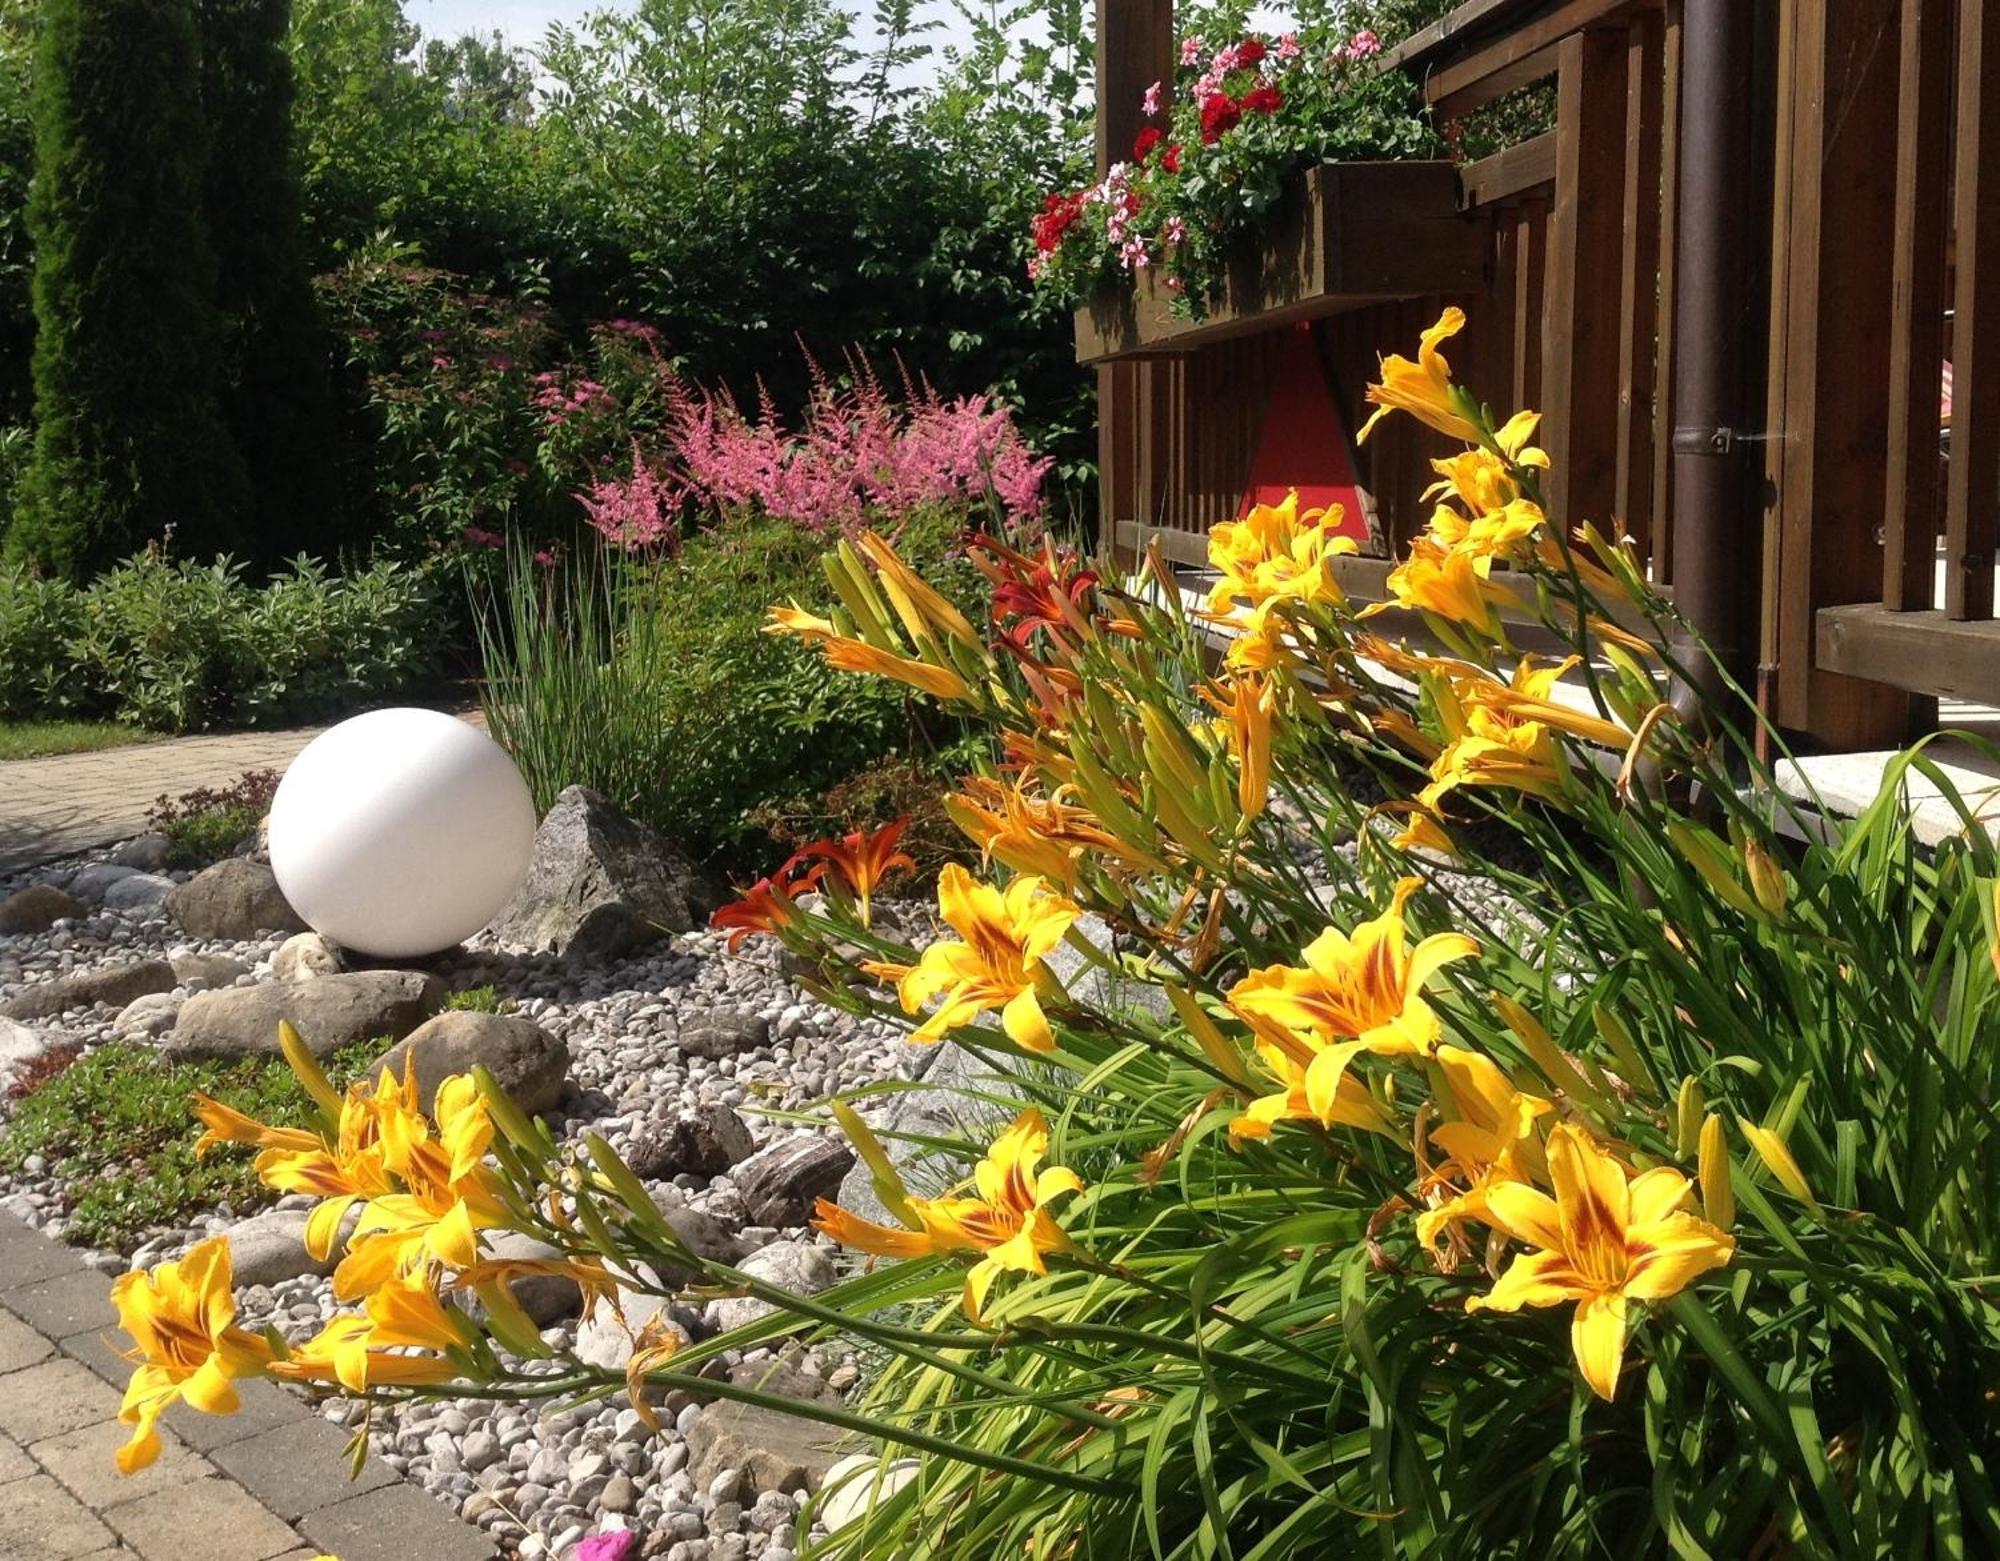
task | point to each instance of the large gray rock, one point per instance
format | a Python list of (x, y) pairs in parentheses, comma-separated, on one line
[(146, 853), (703, 1142), (599, 884), (232, 902), (113, 984), (802, 1267), (1092, 986), (269, 1248), (779, 1185), (775, 1452), (602, 1342), (527, 1061), (140, 892), (332, 1011), (36, 909), (89, 883), (599, 1338)]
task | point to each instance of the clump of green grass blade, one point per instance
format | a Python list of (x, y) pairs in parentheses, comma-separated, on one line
[(117, 1129)]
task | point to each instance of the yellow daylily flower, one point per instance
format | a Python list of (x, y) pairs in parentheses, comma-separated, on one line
[(1247, 706), (1490, 533), (1359, 992), (1424, 388), (794, 619), (1488, 1137), (182, 1319), (1005, 1218), (999, 965), (1448, 583), (1276, 554), (1288, 1058), (222, 1124), (355, 1350), (1605, 1239)]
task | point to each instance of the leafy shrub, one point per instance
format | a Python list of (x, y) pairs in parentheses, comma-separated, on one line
[(897, 787), (474, 1000), (116, 1131), (177, 647), (1367, 1193), (657, 686), (209, 822)]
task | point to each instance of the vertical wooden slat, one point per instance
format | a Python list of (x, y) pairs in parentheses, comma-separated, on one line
[(1834, 286), (1663, 363), (1581, 320), (1916, 325), (1530, 275), (1972, 509), (1496, 379), (1632, 500)]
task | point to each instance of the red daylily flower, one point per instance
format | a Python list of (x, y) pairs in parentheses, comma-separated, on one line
[(859, 861)]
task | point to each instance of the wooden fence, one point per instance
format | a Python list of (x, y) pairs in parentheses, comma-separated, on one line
[(1873, 256)]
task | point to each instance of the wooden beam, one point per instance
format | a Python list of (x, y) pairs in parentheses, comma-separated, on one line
[(1519, 168), (1448, 32), (1916, 325), (1663, 362), (1524, 55), (1639, 420), (1972, 517), (1924, 652), (1581, 316)]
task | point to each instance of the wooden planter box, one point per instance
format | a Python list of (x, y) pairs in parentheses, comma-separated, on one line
[(1352, 235)]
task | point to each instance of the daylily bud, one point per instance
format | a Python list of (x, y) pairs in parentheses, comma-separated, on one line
[(1700, 852), (1767, 878), (1718, 1197), (1687, 1117), (1778, 1160), (307, 1067)]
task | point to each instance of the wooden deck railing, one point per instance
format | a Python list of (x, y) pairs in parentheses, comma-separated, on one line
[(1875, 260)]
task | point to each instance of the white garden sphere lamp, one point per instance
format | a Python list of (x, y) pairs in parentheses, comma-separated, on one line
[(400, 832)]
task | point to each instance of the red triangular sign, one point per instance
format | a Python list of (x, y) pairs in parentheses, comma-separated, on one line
[(1303, 443)]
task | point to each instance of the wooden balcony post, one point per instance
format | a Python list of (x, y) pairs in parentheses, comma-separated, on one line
[(1832, 307), (1583, 311), (1135, 48)]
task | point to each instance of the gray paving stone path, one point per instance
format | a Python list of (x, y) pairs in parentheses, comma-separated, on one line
[(269, 1483), (73, 801)]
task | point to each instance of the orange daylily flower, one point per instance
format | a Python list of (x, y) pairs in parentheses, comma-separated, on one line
[(859, 861), (1048, 837), (1607, 1238), (765, 906), (1488, 1137)]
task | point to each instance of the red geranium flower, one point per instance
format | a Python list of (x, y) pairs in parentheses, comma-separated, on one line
[(1219, 115), (1143, 147), (1170, 159), (1250, 51), (1264, 99)]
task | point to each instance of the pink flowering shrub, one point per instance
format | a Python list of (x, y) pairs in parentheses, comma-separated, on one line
[(485, 432)]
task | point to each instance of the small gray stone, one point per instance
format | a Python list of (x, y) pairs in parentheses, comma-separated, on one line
[(140, 892), (773, 1451), (619, 1495), (779, 1185), (329, 1012), (146, 853), (724, 1035), (89, 883), (303, 957), (233, 902), (601, 1342), (269, 1248), (208, 970), (546, 1298), (480, 1450), (20, 1045), (36, 909), (112, 984)]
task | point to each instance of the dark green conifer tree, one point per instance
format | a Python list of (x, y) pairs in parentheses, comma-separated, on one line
[(276, 390), (129, 440)]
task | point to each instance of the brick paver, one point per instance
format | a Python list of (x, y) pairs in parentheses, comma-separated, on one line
[(266, 1484)]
